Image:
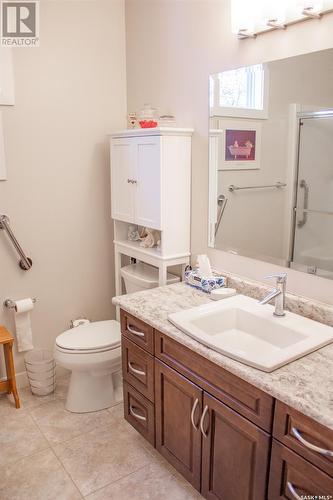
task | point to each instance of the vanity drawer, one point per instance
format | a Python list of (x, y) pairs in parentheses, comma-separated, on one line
[(138, 368), (304, 435), (252, 403), (139, 412), (292, 477), (137, 331)]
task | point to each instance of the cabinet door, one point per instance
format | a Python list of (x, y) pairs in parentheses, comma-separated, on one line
[(122, 175), (235, 455), (178, 405), (148, 182)]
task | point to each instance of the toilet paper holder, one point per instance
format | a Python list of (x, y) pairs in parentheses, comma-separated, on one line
[(10, 304)]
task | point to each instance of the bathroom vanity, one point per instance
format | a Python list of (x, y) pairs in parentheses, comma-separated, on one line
[(232, 431)]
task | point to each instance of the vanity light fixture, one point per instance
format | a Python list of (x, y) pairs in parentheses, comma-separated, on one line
[(273, 23), (250, 18), (310, 12)]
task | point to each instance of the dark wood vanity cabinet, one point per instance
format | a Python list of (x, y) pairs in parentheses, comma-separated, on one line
[(235, 454), (292, 477), (178, 403), (229, 439), (207, 442)]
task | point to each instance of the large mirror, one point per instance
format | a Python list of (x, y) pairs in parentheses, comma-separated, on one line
[(271, 162)]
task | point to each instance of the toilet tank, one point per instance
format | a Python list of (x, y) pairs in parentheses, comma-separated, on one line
[(142, 276)]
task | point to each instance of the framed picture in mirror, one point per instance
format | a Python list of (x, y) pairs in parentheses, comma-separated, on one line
[(241, 144)]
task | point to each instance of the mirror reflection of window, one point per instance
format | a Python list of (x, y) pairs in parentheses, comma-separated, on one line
[(242, 87), (234, 91)]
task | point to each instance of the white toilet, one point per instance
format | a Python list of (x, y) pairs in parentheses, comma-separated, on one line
[(92, 352)]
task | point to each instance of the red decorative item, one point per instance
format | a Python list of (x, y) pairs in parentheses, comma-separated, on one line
[(148, 123)]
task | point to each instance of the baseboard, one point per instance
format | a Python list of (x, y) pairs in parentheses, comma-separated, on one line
[(22, 377), (22, 380)]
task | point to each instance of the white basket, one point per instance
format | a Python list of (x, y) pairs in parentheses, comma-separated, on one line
[(40, 367)]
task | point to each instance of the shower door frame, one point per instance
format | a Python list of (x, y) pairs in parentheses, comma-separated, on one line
[(301, 115)]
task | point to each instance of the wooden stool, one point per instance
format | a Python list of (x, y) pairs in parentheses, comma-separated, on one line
[(9, 385)]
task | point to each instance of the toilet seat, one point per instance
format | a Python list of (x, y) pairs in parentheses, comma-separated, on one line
[(99, 336)]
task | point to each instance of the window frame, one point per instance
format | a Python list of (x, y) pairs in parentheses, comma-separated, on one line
[(234, 112)]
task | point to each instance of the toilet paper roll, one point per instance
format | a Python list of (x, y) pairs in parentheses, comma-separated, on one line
[(23, 324), (24, 305)]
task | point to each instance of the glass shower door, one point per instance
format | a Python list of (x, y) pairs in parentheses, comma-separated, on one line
[(313, 230)]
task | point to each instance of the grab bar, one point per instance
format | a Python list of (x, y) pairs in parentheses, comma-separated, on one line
[(304, 185), (222, 203), (277, 185), (25, 262)]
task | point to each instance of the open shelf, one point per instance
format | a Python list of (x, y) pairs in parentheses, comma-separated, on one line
[(135, 245), (135, 250)]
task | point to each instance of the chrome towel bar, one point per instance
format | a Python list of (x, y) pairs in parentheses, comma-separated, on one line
[(277, 185), (25, 262)]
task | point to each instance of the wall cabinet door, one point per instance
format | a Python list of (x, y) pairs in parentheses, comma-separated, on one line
[(235, 455), (178, 405), (122, 173), (148, 182)]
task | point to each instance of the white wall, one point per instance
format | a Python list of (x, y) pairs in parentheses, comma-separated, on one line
[(70, 93), (172, 47)]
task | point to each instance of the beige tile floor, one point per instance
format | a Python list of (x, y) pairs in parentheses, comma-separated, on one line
[(47, 453)]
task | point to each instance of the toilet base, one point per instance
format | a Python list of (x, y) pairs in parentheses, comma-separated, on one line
[(90, 392)]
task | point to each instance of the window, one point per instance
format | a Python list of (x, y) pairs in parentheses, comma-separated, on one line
[(240, 92)]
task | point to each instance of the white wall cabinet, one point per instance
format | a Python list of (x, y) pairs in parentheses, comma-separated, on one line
[(122, 193), (136, 180), (151, 187)]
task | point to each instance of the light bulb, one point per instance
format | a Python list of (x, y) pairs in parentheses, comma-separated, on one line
[(244, 15), (296, 8), (274, 11)]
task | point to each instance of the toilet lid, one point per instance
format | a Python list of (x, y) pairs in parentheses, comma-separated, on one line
[(91, 336)]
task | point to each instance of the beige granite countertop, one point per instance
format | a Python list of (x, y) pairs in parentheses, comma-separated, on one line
[(305, 384)]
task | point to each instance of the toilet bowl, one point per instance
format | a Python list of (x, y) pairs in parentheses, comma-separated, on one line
[(92, 353)]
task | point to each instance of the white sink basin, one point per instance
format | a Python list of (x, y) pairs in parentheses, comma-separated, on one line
[(242, 329)]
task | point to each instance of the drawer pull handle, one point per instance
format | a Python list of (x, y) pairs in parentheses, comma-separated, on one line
[(312, 447), (202, 422), (136, 415), (194, 407), (135, 332), (135, 370), (293, 491)]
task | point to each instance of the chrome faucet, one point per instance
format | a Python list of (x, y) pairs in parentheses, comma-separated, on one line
[(279, 293)]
